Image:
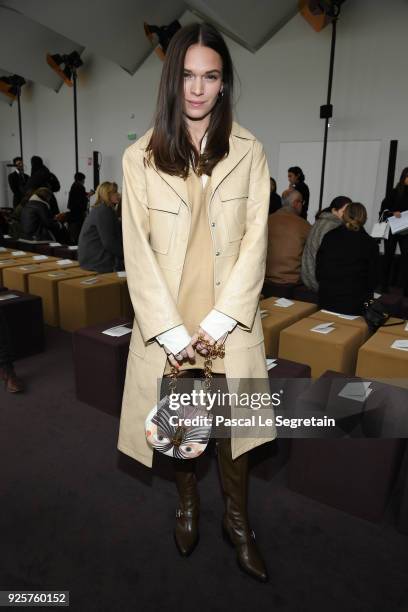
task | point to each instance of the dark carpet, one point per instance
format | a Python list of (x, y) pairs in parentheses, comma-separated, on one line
[(78, 515)]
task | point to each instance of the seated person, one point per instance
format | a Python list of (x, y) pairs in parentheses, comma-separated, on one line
[(37, 221), (287, 234), (326, 220), (347, 264), (275, 202), (100, 246)]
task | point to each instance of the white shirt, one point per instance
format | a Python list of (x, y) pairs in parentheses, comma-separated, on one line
[(216, 323)]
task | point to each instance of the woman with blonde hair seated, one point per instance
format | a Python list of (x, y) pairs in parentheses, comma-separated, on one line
[(347, 264), (100, 241)]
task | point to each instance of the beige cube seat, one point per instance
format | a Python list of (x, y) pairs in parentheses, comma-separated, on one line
[(45, 284), (84, 302), (336, 350), (17, 276), (278, 319)]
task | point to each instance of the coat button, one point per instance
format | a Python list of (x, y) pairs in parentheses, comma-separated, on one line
[(213, 224), (217, 253), (218, 283)]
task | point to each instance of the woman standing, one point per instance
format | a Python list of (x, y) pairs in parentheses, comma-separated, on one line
[(347, 264), (194, 213), (296, 180), (394, 205)]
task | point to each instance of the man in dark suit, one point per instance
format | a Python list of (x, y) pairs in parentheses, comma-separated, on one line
[(18, 181)]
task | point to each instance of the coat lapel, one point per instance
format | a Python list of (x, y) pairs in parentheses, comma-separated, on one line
[(239, 147), (176, 183)]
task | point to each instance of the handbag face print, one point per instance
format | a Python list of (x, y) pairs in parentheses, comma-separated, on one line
[(166, 432)]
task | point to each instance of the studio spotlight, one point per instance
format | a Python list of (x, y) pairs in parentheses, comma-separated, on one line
[(160, 36), (66, 67), (11, 87)]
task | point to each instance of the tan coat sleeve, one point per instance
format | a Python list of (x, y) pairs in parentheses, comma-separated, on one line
[(240, 296), (155, 309)]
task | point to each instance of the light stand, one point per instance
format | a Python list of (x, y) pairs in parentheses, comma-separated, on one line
[(66, 67), (326, 111), (11, 86)]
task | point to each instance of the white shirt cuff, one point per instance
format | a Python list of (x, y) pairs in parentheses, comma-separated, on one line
[(217, 323), (175, 339)]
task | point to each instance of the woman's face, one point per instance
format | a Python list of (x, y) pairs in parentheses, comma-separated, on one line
[(202, 81), (406, 180), (114, 198), (339, 212), (292, 178)]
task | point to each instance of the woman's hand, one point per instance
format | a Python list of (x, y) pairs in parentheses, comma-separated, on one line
[(175, 360), (397, 214), (199, 346)]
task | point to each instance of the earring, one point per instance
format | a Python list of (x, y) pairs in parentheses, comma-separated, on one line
[(221, 93)]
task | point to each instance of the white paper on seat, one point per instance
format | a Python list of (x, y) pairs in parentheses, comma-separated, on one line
[(18, 253), (402, 345), (40, 257), (3, 249), (118, 330), (342, 316), (270, 363), (323, 328), (121, 274), (90, 281), (73, 248), (357, 391), (64, 262), (55, 244), (283, 302), (57, 274), (8, 296)]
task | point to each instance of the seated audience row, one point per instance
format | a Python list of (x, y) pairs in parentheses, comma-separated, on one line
[(336, 257)]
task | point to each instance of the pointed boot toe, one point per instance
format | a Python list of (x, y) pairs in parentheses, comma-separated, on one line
[(186, 533)]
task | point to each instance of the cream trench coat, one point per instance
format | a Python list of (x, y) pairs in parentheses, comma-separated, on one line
[(156, 220)]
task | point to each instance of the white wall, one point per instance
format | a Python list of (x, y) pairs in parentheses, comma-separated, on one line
[(281, 90)]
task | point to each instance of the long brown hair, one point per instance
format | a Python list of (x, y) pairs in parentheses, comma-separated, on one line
[(355, 216), (170, 143)]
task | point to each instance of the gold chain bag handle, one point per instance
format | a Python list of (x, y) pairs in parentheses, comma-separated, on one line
[(182, 441)]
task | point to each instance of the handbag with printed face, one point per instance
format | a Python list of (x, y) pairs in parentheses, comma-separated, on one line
[(184, 432)]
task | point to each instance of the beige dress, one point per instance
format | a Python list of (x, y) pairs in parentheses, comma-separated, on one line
[(196, 293)]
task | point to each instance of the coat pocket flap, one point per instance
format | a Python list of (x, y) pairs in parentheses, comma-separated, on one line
[(162, 198), (233, 191)]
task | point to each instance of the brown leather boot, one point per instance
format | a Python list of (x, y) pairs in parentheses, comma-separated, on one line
[(11, 382), (186, 531), (235, 525)]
